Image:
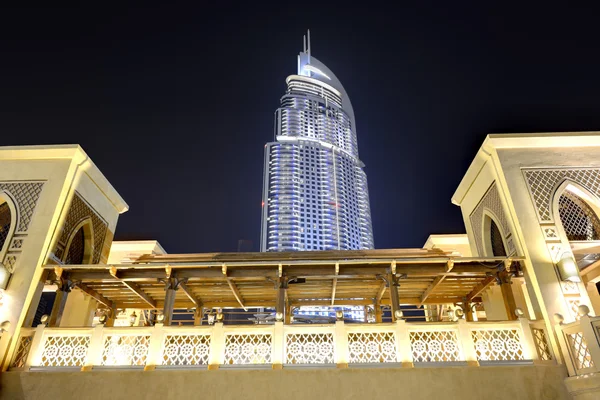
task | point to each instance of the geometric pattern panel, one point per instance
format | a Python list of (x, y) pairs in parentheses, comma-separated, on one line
[(125, 350), (574, 302), (580, 351), (79, 211), (22, 352), (541, 344), (579, 221), (434, 346), (490, 201), (497, 345), (309, 348), (372, 347), (248, 349), (65, 351), (26, 195), (186, 350), (543, 184)]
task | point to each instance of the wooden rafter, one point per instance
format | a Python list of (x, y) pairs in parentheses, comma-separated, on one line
[(134, 288), (487, 282), (95, 295), (436, 282), (190, 295), (380, 292), (233, 287), (334, 286)]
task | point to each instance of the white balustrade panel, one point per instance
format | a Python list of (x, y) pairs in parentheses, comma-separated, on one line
[(248, 348), (309, 348), (186, 349), (65, 351), (435, 346), (372, 347), (497, 344), (125, 349)]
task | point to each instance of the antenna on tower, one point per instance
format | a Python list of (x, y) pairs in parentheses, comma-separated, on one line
[(308, 49), (304, 47)]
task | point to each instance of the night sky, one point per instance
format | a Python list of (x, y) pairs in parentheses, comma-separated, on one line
[(174, 105)]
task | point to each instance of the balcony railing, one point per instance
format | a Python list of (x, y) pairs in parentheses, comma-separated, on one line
[(580, 343), (278, 345)]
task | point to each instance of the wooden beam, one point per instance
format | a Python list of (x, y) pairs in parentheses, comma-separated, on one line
[(134, 288), (436, 282), (190, 295), (334, 286), (236, 293), (380, 292), (487, 282), (95, 295)]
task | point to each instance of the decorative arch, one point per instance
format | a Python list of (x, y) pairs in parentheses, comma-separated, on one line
[(490, 208), (8, 222), (494, 243), (80, 245), (576, 212)]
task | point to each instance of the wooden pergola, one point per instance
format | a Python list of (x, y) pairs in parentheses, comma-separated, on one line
[(287, 279)]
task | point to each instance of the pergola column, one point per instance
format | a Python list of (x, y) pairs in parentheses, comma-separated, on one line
[(378, 313), (171, 286), (280, 306), (392, 281), (64, 288), (198, 314), (505, 282)]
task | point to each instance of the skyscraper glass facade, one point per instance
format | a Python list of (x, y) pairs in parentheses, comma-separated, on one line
[(315, 194)]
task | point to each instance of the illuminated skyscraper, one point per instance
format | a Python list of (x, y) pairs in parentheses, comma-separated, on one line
[(315, 194)]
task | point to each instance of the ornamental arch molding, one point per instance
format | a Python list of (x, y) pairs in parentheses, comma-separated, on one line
[(81, 214), (489, 209), (22, 198)]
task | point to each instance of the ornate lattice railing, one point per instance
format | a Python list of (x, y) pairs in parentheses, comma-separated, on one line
[(580, 342), (309, 345), (286, 345)]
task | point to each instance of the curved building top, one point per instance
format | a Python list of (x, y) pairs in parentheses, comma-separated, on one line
[(310, 66)]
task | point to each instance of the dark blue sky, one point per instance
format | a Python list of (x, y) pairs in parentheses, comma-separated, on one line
[(175, 104)]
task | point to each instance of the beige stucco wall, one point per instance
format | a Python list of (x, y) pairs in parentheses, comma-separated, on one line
[(464, 383)]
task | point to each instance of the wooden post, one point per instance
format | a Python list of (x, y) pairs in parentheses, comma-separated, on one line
[(394, 298), (510, 305), (171, 286), (198, 315), (281, 292), (288, 313), (378, 313), (468, 309), (35, 300), (59, 303), (168, 308)]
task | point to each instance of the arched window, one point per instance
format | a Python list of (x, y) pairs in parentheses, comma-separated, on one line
[(498, 249), (5, 221), (579, 221), (76, 250)]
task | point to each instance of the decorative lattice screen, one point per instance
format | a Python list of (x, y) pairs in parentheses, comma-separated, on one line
[(309, 348), (498, 249), (434, 346), (497, 345), (580, 351), (541, 344), (248, 349), (125, 350), (186, 350), (76, 248), (65, 351), (22, 352), (578, 219), (373, 347), (5, 218)]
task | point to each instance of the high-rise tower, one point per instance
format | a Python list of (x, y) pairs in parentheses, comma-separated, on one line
[(315, 194)]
